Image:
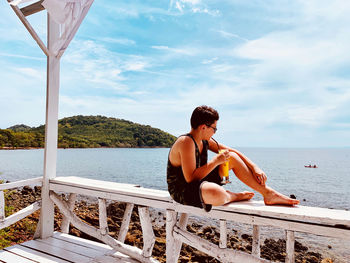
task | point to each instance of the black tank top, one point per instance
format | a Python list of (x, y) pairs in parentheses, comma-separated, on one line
[(175, 177)]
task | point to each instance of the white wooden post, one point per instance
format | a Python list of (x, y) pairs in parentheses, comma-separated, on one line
[(102, 216), (290, 258), (170, 240), (2, 206), (149, 238), (223, 234), (256, 241), (125, 222), (182, 225), (50, 154), (65, 221)]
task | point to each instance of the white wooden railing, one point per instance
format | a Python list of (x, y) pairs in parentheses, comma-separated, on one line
[(319, 221), (7, 221)]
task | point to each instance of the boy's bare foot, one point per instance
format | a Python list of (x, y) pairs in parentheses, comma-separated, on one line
[(245, 195), (276, 198)]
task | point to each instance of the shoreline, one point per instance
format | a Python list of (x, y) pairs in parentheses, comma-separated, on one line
[(38, 148), (87, 209)]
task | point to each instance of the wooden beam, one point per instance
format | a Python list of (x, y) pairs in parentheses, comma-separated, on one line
[(20, 214), (171, 218), (65, 221), (223, 255), (74, 30), (256, 241), (30, 29), (6, 186), (32, 9), (128, 250), (125, 222), (182, 224), (149, 238), (51, 129), (290, 239), (223, 233), (102, 216), (2, 206)]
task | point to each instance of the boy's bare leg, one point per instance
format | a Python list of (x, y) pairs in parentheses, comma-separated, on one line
[(215, 194), (271, 196)]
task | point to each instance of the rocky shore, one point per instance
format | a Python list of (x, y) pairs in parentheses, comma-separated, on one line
[(87, 210)]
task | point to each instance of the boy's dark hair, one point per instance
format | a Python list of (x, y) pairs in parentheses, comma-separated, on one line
[(203, 115)]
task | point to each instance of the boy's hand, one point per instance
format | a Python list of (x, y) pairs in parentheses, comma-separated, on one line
[(260, 175)]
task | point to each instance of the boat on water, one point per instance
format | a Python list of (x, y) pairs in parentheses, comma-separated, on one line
[(311, 166)]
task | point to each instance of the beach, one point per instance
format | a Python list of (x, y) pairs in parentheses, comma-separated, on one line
[(87, 209)]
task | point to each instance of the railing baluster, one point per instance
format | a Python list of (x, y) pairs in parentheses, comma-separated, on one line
[(2, 206), (102, 216), (65, 221), (170, 240), (256, 241), (149, 238), (182, 225), (290, 258), (223, 234), (125, 222)]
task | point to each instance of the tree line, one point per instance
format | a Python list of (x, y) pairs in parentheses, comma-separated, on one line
[(88, 132)]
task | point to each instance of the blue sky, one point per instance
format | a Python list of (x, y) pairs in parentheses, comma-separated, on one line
[(277, 71)]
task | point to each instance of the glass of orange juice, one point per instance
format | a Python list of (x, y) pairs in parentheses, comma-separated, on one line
[(224, 171)]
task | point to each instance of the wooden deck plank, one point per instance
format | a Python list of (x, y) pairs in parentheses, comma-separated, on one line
[(83, 242), (56, 251), (34, 255), (116, 258), (75, 248), (9, 257)]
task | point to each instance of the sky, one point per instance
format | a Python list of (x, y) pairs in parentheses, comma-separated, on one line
[(277, 71)]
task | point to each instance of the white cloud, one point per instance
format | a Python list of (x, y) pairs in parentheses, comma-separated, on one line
[(184, 51)]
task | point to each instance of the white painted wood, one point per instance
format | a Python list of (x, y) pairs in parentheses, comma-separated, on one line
[(2, 206), (329, 231), (9, 257), (133, 252), (103, 216), (256, 241), (149, 238), (32, 181), (182, 224), (65, 221), (83, 242), (30, 29), (171, 218), (223, 255), (34, 254), (290, 239), (125, 222), (120, 197), (117, 258), (20, 214), (223, 234), (37, 230), (75, 248), (55, 251), (51, 130), (74, 30)]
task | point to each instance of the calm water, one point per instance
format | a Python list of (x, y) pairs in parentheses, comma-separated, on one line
[(326, 186)]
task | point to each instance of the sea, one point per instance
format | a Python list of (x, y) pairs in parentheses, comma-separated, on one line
[(327, 186)]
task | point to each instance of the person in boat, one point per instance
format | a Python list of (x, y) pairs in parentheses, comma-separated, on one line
[(193, 180)]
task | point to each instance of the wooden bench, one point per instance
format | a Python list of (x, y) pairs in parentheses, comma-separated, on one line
[(314, 220)]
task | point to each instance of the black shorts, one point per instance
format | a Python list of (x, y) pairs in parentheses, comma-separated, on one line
[(193, 195)]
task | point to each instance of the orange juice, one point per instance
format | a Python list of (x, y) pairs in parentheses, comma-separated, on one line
[(223, 170)]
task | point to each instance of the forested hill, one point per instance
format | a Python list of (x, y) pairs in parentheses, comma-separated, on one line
[(87, 132)]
